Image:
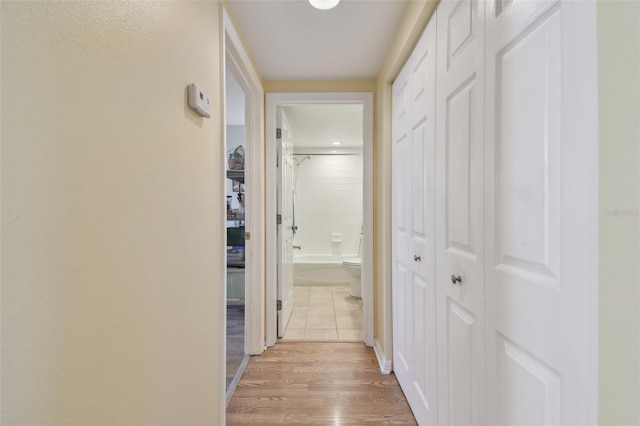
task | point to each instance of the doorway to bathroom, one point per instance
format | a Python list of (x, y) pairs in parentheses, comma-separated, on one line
[(326, 203), (319, 194)]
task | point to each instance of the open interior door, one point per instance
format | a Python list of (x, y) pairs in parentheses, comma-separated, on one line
[(285, 227)]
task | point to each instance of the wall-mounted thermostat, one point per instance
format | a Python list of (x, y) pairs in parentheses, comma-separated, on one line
[(199, 101)]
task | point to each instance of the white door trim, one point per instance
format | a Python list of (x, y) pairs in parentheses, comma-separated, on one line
[(275, 100), (232, 49)]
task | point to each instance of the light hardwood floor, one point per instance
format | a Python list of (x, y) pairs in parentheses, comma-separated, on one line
[(317, 383)]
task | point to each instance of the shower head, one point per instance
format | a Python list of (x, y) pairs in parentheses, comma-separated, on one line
[(303, 159)]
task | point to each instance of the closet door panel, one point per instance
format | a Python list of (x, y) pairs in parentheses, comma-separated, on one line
[(414, 255), (540, 234), (527, 154), (422, 392), (401, 224), (462, 329), (461, 146), (459, 247)]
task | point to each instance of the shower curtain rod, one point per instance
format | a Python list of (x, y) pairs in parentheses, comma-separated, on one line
[(336, 153)]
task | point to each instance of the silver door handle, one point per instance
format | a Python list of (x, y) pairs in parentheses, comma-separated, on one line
[(417, 258), (456, 279)]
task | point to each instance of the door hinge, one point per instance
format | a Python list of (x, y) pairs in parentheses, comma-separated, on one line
[(278, 133), (278, 305), (247, 236), (278, 219)]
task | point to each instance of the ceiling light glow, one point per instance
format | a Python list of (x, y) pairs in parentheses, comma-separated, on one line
[(324, 4), (337, 143)]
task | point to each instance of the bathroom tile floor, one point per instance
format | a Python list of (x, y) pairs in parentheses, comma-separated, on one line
[(324, 313)]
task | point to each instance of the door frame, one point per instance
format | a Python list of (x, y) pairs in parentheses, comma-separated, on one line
[(231, 48), (273, 101)]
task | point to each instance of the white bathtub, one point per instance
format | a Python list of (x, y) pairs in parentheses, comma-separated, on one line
[(320, 269)]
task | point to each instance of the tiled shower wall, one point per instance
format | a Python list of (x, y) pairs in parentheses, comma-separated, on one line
[(328, 202)]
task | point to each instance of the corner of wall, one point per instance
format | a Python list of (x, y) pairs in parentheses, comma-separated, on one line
[(385, 363)]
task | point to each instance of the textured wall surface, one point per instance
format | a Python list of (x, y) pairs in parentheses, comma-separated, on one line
[(619, 92), (112, 296)]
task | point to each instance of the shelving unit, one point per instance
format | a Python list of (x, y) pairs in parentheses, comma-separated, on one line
[(235, 265), (237, 175), (237, 219)]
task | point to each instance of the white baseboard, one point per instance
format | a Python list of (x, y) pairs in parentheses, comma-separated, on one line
[(385, 364)]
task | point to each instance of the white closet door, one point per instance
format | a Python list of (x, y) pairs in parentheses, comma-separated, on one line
[(541, 212), (402, 266), (459, 212), (414, 245)]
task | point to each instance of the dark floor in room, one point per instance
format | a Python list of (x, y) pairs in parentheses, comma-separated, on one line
[(235, 340)]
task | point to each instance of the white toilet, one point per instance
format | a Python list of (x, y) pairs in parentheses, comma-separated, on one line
[(352, 266)]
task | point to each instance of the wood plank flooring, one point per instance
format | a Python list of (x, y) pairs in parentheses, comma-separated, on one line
[(317, 383)]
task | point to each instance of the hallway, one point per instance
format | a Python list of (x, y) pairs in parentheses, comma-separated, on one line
[(317, 383), (516, 191)]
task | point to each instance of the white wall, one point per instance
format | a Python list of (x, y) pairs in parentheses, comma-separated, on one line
[(619, 92), (329, 200), (112, 303)]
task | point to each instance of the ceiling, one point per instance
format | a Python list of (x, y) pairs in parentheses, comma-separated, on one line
[(291, 40), (316, 127)]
